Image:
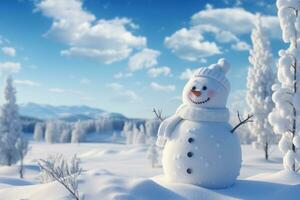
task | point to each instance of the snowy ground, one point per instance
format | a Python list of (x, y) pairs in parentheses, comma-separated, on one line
[(116, 171)]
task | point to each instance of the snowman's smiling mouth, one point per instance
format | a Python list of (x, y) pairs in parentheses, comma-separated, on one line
[(199, 102)]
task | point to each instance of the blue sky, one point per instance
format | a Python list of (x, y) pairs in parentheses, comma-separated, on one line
[(125, 56)]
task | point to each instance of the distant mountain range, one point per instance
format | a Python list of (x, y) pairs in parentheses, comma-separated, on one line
[(67, 113)]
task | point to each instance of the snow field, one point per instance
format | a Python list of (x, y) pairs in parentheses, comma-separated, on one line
[(115, 171)]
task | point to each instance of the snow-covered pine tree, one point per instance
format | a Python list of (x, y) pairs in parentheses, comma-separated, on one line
[(259, 88), (285, 118), (39, 131), (153, 154), (52, 132), (78, 133), (141, 135), (114, 136), (151, 126), (66, 134), (10, 126), (128, 132)]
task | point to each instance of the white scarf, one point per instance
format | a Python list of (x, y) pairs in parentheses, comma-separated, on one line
[(191, 113)]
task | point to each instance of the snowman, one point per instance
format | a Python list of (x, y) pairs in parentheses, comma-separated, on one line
[(199, 145)]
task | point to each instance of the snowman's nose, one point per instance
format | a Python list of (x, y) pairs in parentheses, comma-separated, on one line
[(196, 93)]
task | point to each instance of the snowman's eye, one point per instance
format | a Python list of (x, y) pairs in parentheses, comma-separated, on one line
[(193, 88), (204, 88)]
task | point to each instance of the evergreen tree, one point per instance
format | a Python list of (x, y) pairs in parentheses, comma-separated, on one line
[(259, 88), (10, 126)]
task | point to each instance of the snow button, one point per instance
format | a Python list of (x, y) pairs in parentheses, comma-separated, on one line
[(189, 171), (190, 140), (190, 154)]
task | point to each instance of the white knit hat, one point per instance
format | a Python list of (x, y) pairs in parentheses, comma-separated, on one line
[(215, 71)]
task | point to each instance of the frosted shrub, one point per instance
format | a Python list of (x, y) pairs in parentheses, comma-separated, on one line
[(57, 168)]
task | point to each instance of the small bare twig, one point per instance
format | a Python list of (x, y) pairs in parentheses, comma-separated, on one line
[(241, 122), (158, 114)]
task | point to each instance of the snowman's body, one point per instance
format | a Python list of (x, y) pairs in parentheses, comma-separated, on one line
[(200, 148), (202, 153)]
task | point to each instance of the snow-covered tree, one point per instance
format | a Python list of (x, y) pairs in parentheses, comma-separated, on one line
[(114, 136), (66, 134), (104, 125), (78, 133), (140, 135), (10, 126), (151, 127), (259, 88), (285, 118), (127, 132), (39, 131), (52, 132), (153, 155), (22, 149)]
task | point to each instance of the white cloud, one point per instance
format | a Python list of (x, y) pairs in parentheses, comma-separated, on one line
[(238, 2), (226, 19), (9, 51), (122, 93), (4, 40), (129, 95), (27, 83), (223, 24), (189, 44), (10, 67), (105, 40), (146, 58), (187, 74), (122, 75), (241, 46), (85, 81), (226, 36), (57, 90), (222, 36), (157, 71), (164, 88), (75, 92), (209, 6), (115, 86)]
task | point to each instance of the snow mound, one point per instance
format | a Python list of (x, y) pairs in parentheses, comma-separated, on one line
[(292, 193), (31, 171), (283, 177), (95, 184), (6, 181), (137, 149), (259, 187), (104, 184), (108, 152)]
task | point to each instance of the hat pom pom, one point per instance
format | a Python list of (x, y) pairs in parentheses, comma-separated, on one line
[(224, 65)]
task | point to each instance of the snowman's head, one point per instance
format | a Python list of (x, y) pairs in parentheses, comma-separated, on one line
[(208, 86)]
